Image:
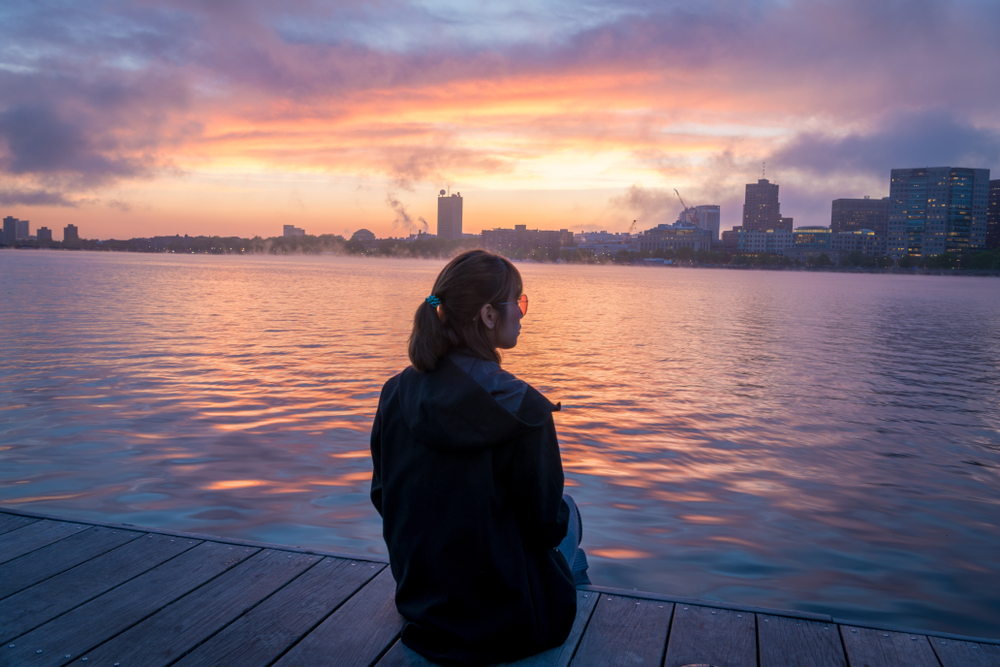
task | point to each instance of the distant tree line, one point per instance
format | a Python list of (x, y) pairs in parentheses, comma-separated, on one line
[(426, 246), (435, 247), (984, 260)]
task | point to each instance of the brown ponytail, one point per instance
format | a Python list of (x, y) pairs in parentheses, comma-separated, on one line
[(464, 286)]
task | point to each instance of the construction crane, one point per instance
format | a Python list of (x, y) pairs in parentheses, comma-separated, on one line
[(681, 198), (632, 226)]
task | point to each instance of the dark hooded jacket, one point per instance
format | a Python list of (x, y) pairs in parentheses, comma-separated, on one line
[(471, 501)]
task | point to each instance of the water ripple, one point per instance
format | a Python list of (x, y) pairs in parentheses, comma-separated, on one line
[(829, 443)]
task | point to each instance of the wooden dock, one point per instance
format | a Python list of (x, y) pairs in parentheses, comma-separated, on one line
[(74, 593)]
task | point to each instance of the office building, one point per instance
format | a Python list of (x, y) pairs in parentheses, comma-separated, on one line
[(934, 210), (809, 242), (865, 241), (703, 217), (761, 210), (604, 243), (848, 215), (851, 215), (752, 241), (449, 216), (602, 236), (44, 235), (9, 230), (676, 236), (508, 241), (993, 216), (70, 234), (812, 237), (292, 230), (727, 242), (23, 232)]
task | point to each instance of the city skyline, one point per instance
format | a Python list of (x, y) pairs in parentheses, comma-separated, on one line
[(124, 120)]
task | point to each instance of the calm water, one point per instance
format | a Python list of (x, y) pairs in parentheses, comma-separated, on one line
[(827, 443)]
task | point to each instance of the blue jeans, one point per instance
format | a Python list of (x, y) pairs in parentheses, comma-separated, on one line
[(570, 546)]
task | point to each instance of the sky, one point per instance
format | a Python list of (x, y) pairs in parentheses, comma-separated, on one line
[(235, 117)]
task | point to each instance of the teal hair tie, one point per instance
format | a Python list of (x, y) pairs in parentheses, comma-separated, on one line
[(433, 300)]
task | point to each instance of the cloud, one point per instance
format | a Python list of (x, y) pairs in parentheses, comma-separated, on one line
[(39, 143), (436, 164), (650, 206), (919, 139), (554, 94), (122, 206), (34, 198)]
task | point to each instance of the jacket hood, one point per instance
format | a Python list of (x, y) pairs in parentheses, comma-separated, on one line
[(447, 410)]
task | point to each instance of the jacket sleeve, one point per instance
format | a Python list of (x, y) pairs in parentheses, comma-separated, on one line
[(543, 516), (376, 447)]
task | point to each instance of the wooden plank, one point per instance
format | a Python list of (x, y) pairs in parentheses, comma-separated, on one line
[(37, 535), (182, 625), (954, 653), (42, 602), (399, 655), (719, 637), (29, 569), (883, 627), (881, 648), (78, 631), (9, 522), (794, 642), (698, 602), (357, 633), (625, 631), (201, 537), (258, 638)]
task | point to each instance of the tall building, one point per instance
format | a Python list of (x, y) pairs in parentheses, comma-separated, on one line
[(703, 217), (23, 230), (9, 230), (449, 216), (850, 215), (44, 235), (70, 234), (761, 210), (934, 210), (853, 215), (292, 230), (993, 216)]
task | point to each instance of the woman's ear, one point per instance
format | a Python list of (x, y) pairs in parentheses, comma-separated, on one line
[(489, 315)]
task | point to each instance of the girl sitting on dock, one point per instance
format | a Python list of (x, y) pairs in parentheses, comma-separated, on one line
[(469, 482)]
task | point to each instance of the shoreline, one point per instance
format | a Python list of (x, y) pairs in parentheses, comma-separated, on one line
[(976, 273)]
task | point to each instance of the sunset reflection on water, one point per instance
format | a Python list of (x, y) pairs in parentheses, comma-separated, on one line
[(823, 442)]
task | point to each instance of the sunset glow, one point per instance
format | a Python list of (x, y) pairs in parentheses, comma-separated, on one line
[(131, 119)]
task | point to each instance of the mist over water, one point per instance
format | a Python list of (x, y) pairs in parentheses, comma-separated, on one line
[(821, 442)]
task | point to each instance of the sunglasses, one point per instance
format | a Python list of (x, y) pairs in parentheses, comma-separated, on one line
[(522, 303)]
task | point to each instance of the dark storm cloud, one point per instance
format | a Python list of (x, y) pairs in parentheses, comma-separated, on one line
[(85, 99), (921, 139), (40, 143), (33, 198)]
